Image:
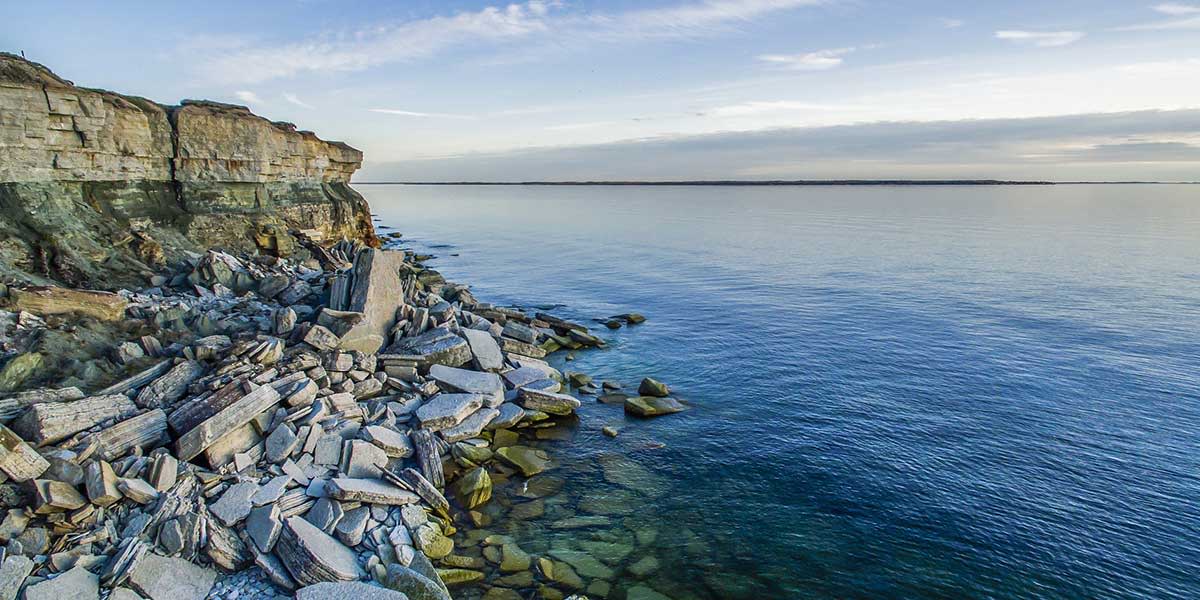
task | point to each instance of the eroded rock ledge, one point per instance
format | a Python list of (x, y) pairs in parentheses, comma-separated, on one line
[(99, 188)]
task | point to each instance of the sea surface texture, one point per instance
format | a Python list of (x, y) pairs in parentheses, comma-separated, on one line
[(895, 392)]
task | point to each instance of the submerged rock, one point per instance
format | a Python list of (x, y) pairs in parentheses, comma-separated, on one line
[(649, 406)]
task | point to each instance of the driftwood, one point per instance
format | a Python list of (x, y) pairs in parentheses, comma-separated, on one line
[(428, 457), (49, 423)]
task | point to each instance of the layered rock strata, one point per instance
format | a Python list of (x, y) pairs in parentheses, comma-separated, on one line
[(99, 188)]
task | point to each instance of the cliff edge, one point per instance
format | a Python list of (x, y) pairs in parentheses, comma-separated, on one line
[(99, 189)]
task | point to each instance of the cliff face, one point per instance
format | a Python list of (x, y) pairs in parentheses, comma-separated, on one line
[(97, 187)]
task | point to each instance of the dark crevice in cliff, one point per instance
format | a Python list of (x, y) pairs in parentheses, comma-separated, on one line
[(176, 186), (46, 93)]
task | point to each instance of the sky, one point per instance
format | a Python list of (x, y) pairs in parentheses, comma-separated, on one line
[(668, 90)]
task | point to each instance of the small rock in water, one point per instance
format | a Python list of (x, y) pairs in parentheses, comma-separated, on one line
[(653, 387), (609, 431)]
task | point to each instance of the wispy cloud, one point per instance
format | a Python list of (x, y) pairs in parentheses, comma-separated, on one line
[(1041, 39), (1186, 16), (1177, 10), (951, 23), (422, 115), (248, 97), (821, 60), (547, 21), (292, 98), (759, 107)]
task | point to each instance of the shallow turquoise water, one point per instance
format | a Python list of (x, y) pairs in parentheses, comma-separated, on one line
[(919, 392)]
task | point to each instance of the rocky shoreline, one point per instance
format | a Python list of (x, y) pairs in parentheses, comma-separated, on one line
[(337, 424)]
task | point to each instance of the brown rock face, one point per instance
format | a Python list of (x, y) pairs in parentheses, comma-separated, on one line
[(95, 186)]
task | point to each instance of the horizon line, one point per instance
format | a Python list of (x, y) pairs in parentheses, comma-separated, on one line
[(784, 182)]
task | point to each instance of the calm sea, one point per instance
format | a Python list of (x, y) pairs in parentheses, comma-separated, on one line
[(896, 392)]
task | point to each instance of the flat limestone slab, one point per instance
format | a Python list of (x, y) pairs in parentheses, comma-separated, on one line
[(347, 591), (192, 443), (435, 347), (549, 402), (49, 300), (471, 426), (448, 410), (470, 382), (160, 578), (485, 349), (376, 292), (313, 556), (373, 491)]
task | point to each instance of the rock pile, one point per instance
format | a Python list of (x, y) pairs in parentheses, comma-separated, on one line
[(307, 419)]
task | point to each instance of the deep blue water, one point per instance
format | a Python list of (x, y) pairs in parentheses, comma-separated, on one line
[(917, 392)]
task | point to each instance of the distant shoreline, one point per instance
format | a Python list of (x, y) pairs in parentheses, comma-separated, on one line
[(830, 182)]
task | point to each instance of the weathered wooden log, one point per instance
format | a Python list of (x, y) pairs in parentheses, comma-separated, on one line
[(428, 457), (48, 423), (170, 387), (14, 405), (49, 300), (192, 443)]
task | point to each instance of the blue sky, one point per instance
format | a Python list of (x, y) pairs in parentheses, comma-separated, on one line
[(686, 89)]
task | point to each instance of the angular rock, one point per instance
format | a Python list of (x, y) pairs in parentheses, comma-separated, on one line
[(436, 346), (146, 430), (101, 483), (474, 488), (321, 338), (13, 572), (509, 414), (280, 444), (470, 382), (235, 504), (471, 426), (392, 442), (520, 332), (165, 471), (413, 584), (19, 460), (263, 526), (137, 490), (653, 387), (485, 349), (55, 496), (530, 461), (447, 410), (428, 457), (376, 291), (161, 578), (347, 591), (77, 584), (650, 406), (14, 405), (170, 387), (241, 412), (352, 526), (312, 556), (547, 402), (371, 491), (364, 459)]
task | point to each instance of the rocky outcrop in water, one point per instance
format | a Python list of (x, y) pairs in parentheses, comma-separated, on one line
[(100, 189)]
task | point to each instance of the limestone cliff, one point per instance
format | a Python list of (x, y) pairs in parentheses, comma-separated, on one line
[(96, 187)]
